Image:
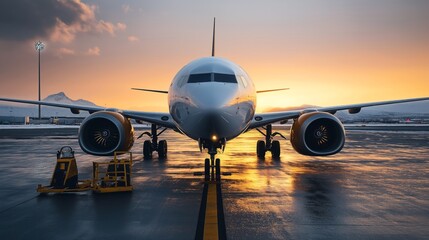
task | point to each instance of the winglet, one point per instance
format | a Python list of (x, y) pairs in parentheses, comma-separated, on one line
[(214, 33)]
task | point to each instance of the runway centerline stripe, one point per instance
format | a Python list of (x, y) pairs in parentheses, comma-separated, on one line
[(211, 220)]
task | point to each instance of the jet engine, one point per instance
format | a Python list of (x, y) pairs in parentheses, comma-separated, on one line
[(102, 133), (317, 134)]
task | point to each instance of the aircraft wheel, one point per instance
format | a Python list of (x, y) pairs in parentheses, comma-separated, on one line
[(162, 149), (147, 149), (275, 149), (260, 149), (207, 169), (217, 169)]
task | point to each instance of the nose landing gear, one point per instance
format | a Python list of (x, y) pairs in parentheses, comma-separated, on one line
[(212, 169), (150, 146), (269, 145)]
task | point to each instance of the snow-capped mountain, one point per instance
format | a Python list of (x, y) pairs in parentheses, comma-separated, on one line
[(61, 97), (21, 110)]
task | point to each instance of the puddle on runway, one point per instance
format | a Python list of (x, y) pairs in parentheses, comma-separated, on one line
[(377, 186)]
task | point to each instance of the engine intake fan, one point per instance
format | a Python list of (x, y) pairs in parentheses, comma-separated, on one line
[(317, 134), (103, 133)]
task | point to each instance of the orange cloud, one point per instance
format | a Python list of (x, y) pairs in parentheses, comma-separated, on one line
[(95, 51), (65, 51), (86, 22), (62, 52), (133, 39)]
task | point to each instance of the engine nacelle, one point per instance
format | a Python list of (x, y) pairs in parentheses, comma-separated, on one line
[(102, 133), (317, 134)]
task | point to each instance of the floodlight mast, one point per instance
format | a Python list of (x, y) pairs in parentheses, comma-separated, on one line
[(39, 47)]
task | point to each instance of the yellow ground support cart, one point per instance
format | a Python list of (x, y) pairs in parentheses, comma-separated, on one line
[(65, 176), (113, 176)]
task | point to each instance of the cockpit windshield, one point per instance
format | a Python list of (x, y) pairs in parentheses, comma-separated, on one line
[(198, 78), (212, 77), (225, 78)]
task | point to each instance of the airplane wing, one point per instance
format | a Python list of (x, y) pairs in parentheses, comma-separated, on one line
[(162, 119), (150, 90), (263, 119), (272, 90)]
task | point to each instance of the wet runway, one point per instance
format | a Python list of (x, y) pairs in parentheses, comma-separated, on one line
[(376, 188)]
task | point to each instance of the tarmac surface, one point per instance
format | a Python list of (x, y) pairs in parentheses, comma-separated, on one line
[(376, 188)]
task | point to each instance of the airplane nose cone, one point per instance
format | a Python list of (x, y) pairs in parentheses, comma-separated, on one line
[(213, 121), (212, 97)]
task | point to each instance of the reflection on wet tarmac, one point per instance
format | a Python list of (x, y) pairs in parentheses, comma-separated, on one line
[(377, 187)]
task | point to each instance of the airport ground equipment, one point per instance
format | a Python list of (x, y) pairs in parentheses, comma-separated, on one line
[(65, 175), (113, 176)]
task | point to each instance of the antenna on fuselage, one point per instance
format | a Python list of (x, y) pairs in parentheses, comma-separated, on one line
[(214, 33)]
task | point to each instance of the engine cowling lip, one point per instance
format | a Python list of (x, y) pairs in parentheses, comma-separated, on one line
[(110, 116), (313, 116)]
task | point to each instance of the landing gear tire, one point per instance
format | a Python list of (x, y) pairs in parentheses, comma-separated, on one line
[(147, 149), (260, 149), (162, 149), (217, 169), (275, 149), (207, 169)]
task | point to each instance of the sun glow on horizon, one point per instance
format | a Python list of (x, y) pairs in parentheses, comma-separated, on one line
[(327, 54)]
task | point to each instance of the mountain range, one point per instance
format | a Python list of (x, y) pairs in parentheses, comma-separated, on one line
[(21, 110)]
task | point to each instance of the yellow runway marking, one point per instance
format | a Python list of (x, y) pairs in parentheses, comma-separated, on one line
[(211, 221)]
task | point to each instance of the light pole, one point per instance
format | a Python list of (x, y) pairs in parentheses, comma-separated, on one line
[(39, 47)]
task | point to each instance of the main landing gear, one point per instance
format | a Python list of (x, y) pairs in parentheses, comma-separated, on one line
[(150, 146), (269, 144)]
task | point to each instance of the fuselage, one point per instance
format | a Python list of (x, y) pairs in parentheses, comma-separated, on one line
[(212, 98)]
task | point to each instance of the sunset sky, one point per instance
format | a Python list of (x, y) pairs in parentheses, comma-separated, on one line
[(327, 52)]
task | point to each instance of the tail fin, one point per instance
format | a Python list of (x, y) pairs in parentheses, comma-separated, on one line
[(214, 33)]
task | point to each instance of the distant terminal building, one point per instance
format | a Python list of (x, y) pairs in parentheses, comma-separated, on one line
[(66, 120), (9, 120)]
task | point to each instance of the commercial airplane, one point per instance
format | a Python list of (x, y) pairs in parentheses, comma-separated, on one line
[(212, 100)]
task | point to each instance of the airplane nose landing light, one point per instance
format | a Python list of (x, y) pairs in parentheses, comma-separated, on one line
[(214, 138)]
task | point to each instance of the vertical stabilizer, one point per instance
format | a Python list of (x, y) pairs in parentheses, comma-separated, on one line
[(214, 34)]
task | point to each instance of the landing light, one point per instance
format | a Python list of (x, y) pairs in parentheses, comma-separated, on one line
[(214, 137)]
